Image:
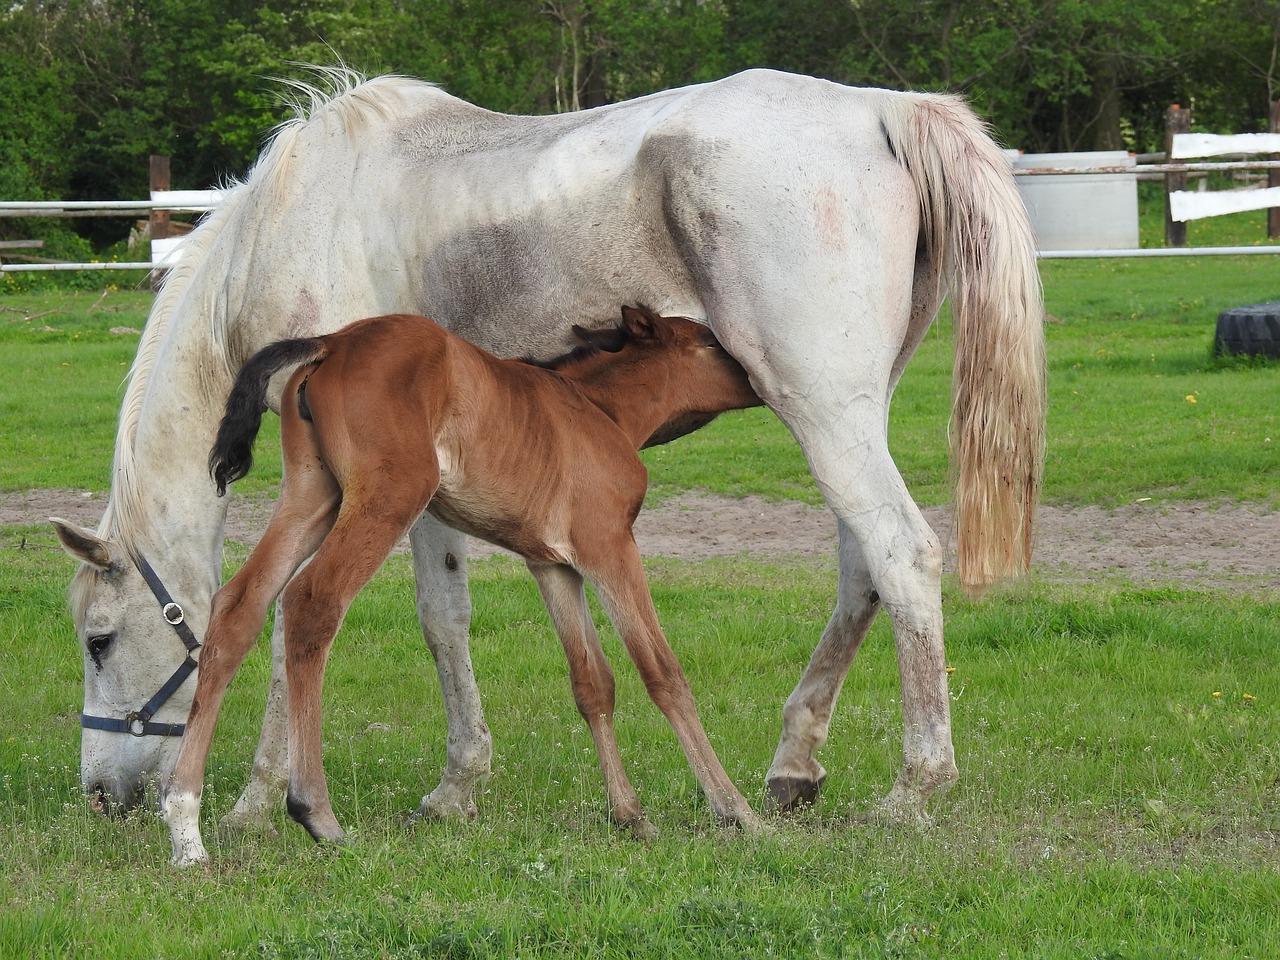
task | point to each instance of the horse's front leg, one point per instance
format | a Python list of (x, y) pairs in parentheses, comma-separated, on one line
[(444, 610), (270, 774)]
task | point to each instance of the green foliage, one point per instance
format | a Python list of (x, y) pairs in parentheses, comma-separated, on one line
[(88, 88)]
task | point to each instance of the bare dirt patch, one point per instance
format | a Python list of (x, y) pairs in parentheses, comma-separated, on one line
[(1175, 542)]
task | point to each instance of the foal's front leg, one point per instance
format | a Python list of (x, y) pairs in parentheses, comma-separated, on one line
[(619, 578), (592, 681)]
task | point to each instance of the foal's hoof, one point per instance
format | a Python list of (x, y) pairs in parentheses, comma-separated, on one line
[(640, 829), (320, 823), (748, 823), (788, 794)]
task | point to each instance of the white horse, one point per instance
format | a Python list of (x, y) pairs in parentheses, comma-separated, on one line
[(816, 228)]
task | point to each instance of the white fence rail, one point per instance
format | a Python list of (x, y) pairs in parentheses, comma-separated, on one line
[(165, 251), (1187, 205)]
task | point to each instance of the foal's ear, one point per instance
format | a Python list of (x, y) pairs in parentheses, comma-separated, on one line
[(82, 544), (640, 322), (610, 339)]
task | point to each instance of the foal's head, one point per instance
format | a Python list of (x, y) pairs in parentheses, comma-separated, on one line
[(672, 361)]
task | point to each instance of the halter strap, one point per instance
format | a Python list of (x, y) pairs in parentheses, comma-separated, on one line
[(139, 722)]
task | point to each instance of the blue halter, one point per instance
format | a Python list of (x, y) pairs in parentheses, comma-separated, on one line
[(139, 722)]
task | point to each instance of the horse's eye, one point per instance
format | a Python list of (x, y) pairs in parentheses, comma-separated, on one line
[(97, 646)]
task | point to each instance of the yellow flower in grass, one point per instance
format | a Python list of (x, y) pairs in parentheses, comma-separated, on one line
[(1250, 696), (1217, 693), (1191, 398)]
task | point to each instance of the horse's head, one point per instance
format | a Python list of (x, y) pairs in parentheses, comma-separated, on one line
[(133, 651), (699, 378)]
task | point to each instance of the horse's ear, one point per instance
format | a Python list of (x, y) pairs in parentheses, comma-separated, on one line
[(82, 544), (640, 322)]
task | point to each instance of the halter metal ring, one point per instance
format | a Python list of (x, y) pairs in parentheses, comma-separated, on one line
[(137, 726), (172, 613)]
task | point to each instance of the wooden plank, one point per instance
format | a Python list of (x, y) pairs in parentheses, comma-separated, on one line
[(1187, 145), (166, 251), (21, 244), (1194, 204)]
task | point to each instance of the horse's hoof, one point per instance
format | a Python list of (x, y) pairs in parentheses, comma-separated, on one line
[(892, 812), (788, 794), (247, 821), (434, 808), (190, 855)]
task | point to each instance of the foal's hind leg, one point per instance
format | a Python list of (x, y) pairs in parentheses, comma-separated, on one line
[(444, 610), (315, 602), (592, 681), (618, 575)]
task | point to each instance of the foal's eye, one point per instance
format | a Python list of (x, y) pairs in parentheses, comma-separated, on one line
[(98, 645)]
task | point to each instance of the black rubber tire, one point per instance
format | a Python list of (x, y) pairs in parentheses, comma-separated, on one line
[(1253, 330)]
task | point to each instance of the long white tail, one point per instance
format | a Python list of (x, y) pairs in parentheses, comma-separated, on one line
[(979, 237)]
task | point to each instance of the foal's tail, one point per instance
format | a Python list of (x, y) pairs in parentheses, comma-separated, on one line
[(232, 453), (979, 239)]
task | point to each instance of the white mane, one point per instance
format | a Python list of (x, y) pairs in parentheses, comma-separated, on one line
[(195, 287)]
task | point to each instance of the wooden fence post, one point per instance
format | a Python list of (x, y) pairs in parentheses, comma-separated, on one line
[(1273, 176), (1176, 120), (159, 220)]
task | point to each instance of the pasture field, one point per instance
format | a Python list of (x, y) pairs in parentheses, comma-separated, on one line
[(1118, 741)]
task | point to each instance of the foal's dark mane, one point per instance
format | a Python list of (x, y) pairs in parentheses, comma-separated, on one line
[(601, 342)]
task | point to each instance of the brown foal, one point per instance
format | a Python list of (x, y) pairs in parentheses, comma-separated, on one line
[(394, 415)]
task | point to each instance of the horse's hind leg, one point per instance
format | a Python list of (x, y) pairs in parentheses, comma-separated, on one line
[(618, 575), (795, 776), (592, 681), (903, 558), (444, 610), (315, 603)]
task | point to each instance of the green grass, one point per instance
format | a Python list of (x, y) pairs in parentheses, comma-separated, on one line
[(1117, 741), (1132, 342), (1110, 803)]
